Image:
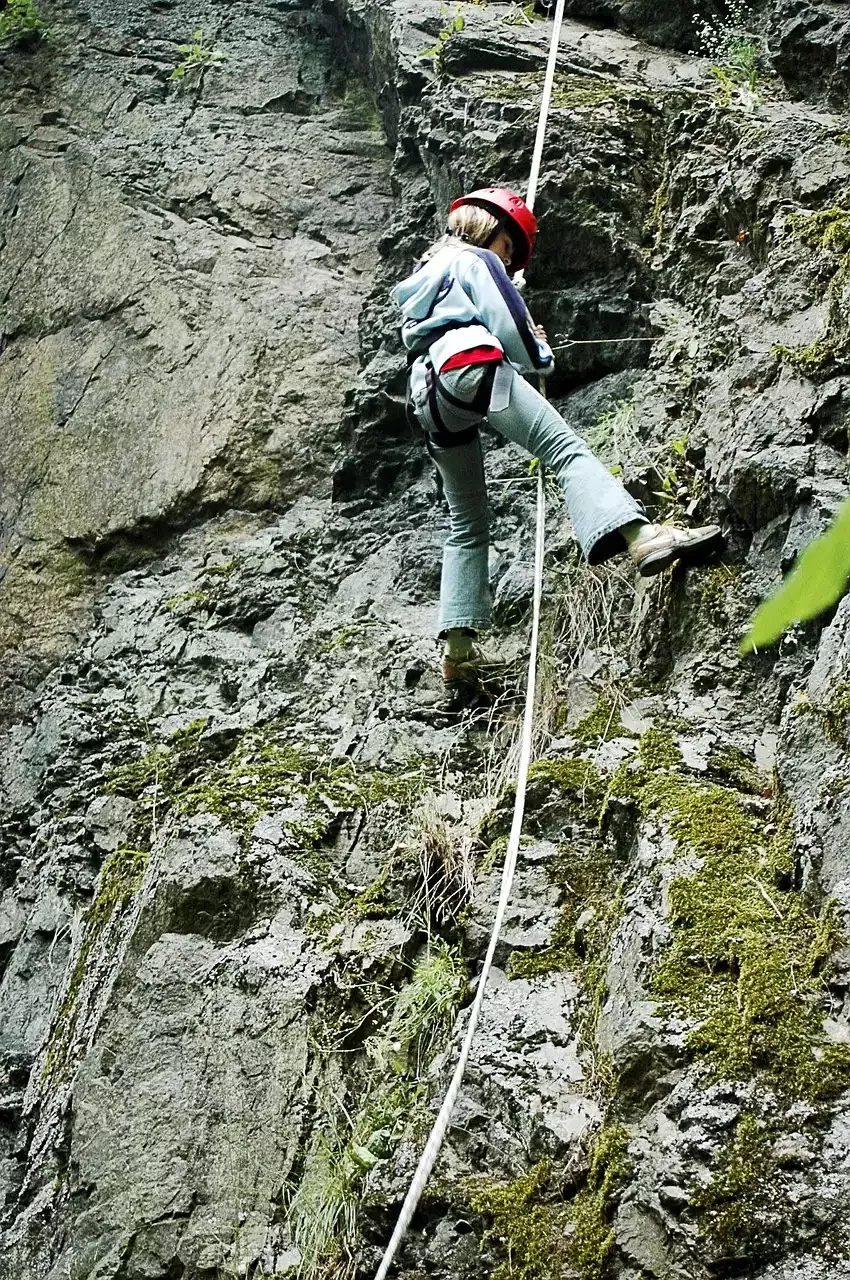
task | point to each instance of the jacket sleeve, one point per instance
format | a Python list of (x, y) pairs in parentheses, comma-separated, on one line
[(483, 277)]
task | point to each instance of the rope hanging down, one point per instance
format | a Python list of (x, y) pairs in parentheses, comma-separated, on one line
[(441, 1124)]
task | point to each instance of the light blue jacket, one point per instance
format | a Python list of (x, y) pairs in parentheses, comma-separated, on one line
[(463, 298)]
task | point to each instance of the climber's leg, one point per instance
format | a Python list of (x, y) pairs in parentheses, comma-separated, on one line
[(465, 584), (606, 518), (598, 504)]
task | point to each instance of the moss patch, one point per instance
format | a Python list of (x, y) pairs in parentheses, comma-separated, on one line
[(578, 780), (740, 1215), (653, 226), (186, 601), (831, 715), (265, 773), (714, 588), (525, 1225), (21, 24), (540, 1233), (747, 959), (570, 92), (603, 724), (119, 882), (593, 1240), (742, 771), (585, 879), (828, 230), (658, 749)]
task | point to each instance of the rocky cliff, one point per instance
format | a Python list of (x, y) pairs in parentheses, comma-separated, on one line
[(248, 868)]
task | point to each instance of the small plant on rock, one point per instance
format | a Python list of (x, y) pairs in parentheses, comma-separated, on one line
[(521, 15), (444, 36), (196, 58), (20, 24), (730, 44)]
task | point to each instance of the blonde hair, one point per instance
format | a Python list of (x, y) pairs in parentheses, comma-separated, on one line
[(470, 223)]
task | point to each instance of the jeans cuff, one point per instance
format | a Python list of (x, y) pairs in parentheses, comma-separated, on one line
[(474, 624)]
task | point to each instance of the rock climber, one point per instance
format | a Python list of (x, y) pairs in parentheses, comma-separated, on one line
[(470, 338)]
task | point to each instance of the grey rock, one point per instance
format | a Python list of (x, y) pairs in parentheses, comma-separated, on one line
[(208, 514)]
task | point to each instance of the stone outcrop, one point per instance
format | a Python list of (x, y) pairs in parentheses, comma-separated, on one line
[(183, 263), (248, 866)]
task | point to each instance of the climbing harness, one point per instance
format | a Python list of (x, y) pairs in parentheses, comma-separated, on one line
[(441, 1124)]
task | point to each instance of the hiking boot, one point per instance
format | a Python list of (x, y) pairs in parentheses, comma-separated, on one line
[(660, 545), (471, 682)]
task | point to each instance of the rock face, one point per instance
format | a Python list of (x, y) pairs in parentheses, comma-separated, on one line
[(183, 262), (248, 866)]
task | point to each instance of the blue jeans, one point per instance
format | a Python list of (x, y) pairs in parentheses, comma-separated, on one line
[(598, 504)]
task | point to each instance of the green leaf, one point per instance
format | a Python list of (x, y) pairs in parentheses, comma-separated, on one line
[(817, 580)]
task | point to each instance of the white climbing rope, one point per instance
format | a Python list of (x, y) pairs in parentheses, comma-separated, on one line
[(438, 1132)]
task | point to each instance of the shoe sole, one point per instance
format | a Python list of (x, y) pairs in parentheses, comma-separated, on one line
[(658, 561)]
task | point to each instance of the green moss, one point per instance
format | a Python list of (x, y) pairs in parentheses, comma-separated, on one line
[(740, 1215), (223, 570), (601, 724), (524, 1225), (578, 779), (747, 958), (831, 715), (267, 775), (571, 91), (119, 882), (496, 853), (21, 24), (591, 1211), (747, 961), (781, 853), (810, 360), (714, 586), (654, 225), (585, 879), (161, 768), (71, 570), (544, 1236), (343, 637), (834, 787), (376, 900), (658, 749), (187, 600), (828, 230), (263, 774), (741, 770), (581, 91)]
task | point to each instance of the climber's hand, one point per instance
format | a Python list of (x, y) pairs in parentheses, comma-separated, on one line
[(540, 332)]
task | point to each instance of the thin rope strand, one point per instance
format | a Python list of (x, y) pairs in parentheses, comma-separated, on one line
[(598, 342), (441, 1124), (438, 1132), (548, 85)]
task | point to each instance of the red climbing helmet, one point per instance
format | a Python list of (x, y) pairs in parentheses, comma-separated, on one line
[(509, 207)]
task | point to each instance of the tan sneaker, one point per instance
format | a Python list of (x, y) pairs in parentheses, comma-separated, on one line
[(657, 546), (473, 681)]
